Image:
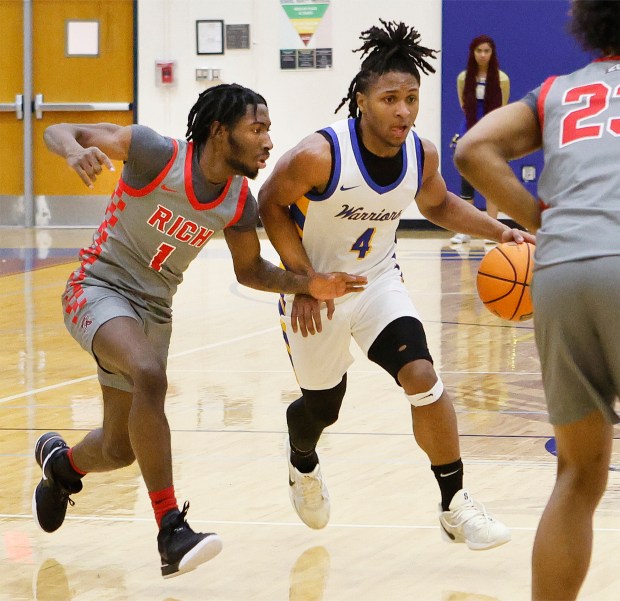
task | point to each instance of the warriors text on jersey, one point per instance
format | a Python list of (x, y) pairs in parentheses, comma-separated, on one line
[(351, 226)]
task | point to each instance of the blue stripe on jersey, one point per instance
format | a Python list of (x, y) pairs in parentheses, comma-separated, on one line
[(418, 154), (331, 186), (362, 167), (281, 305), (298, 217)]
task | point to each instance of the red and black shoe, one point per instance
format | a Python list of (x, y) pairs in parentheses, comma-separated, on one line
[(181, 549)]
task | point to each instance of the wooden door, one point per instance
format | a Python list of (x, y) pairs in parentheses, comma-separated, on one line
[(11, 127), (69, 79)]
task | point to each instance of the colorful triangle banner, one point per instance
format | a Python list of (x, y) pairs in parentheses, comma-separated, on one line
[(305, 17)]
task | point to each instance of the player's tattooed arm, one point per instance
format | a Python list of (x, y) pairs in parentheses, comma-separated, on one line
[(254, 271)]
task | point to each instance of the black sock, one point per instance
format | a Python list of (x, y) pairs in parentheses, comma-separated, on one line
[(450, 480), (304, 461)]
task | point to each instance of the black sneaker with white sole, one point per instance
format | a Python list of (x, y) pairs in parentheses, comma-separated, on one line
[(51, 497), (181, 549)]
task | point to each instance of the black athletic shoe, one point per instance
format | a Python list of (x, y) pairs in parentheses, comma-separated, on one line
[(50, 498), (181, 549)]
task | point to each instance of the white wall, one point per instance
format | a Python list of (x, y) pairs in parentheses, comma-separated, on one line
[(299, 101)]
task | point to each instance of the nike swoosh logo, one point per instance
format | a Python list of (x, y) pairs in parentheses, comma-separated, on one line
[(49, 456), (449, 474), (164, 187), (345, 188)]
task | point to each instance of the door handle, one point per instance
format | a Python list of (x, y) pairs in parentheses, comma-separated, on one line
[(40, 106), (17, 106)]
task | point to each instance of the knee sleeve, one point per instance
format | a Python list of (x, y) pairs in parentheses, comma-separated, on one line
[(400, 342), (426, 398)]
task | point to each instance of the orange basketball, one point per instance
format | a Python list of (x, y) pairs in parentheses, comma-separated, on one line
[(504, 278)]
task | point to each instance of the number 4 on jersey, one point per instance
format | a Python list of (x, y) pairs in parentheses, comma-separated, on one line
[(362, 245)]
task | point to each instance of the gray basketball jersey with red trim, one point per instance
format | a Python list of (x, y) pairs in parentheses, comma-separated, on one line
[(351, 226), (150, 235), (580, 184)]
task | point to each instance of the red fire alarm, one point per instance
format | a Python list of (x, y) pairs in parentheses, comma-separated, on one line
[(165, 73)]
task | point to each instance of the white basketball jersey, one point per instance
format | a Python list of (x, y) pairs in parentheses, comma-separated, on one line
[(351, 227)]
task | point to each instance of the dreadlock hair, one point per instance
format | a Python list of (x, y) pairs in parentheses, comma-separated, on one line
[(492, 92), (225, 103), (393, 48), (596, 25)]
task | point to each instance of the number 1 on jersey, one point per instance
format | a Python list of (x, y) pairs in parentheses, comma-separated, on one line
[(163, 252), (362, 245)]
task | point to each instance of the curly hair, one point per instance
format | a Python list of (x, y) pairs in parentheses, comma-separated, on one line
[(492, 93), (596, 25), (393, 48), (225, 103)]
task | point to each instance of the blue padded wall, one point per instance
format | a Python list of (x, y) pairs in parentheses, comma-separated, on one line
[(532, 43)]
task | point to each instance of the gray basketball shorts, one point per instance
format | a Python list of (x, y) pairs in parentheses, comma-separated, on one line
[(321, 360), (95, 306), (576, 308)]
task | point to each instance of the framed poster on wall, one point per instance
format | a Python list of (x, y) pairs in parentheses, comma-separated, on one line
[(210, 37)]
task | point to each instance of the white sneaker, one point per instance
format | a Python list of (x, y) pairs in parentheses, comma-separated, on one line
[(468, 522), (489, 241), (460, 239), (308, 494)]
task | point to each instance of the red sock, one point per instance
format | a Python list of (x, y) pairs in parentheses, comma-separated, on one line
[(163, 501), (73, 466)]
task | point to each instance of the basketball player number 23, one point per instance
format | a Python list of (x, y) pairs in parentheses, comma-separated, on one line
[(163, 252), (362, 245), (597, 100)]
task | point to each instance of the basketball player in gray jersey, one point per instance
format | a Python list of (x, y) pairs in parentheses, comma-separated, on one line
[(173, 195), (575, 119), (335, 200)]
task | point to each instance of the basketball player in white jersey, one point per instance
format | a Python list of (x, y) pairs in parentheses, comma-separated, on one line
[(575, 119), (335, 200), (173, 195)]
